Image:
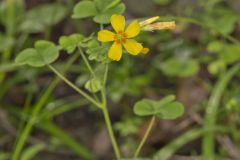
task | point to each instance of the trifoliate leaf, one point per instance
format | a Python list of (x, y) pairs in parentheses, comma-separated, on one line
[(41, 17), (166, 108), (103, 5), (84, 9), (44, 53), (220, 19), (29, 56), (104, 17), (69, 43)]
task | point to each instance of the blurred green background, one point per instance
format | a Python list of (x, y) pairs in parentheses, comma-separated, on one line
[(198, 62)]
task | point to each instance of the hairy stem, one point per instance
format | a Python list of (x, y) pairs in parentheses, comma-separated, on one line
[(110, 132), (86, 62), (73, 86)]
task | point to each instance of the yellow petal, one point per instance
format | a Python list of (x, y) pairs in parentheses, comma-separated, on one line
[(149, 21), (133, 29), (105, 36), (133, 47), (165, 25), (115, 52), (159, 26), (145, 50), (118, 22)]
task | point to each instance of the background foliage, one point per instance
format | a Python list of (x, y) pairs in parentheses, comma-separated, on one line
[(198, 62)]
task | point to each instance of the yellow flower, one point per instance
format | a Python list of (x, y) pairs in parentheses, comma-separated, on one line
[(121, 38)]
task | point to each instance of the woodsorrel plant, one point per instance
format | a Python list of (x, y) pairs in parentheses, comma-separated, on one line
[(101, 49)]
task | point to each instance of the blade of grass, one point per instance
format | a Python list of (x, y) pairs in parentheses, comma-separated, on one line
[(208, 145), (167, 151), (21, 140), (55, 131), (44, 124), (31, 151), (62, 108), (10, 20)]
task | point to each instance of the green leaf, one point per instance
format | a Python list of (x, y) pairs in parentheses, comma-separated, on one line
[(104, 17), (84, 9), (216, 66), (103, 5), (47, 50), (178, 67), (19, 10), (101, 10), (70, 43), (171, 111), (93, 85), (127, 126), (44, 53), (220, 19), (41, 17), (96, 51), (166, 108), (31, 151), (29, 56), (230, 53), (147, 107), (215, 46), (112, 4)]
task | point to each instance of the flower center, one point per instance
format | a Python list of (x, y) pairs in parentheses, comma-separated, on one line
[(120, 37)]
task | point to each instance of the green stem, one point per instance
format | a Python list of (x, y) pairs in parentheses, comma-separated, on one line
[(106, 115), (145, 137), (208, 145), (25, 111), (10, 20), (105, 75), (110, 132), (89, 68), (101, 26), (81, 92), (86, 61), (10, 17), (104, 103), (103, 90)]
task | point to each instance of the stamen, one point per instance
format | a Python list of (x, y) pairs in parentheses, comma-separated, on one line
[(120, 37)]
